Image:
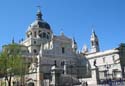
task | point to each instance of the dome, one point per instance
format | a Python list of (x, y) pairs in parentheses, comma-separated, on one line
[(40, 24)]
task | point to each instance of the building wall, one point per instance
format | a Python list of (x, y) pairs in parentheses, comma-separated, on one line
[(107, 62)]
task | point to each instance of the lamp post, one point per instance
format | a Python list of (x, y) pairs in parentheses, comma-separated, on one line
[(107, 66)]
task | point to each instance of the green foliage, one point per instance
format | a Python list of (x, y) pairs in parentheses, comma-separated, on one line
[(11, 61)]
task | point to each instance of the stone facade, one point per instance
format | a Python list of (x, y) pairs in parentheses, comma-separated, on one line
[(48, 49), (107, 64)]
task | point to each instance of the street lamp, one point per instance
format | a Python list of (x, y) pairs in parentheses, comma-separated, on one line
[(107, 66)]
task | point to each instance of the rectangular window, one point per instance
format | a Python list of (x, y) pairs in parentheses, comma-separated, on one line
[(35, 34), (63, 50)]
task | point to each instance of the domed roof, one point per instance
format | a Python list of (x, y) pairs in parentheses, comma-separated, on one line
[(39, 22)]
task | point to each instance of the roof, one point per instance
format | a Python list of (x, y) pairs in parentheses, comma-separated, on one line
[(39, 22)]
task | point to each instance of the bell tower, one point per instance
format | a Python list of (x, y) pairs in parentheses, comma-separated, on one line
[(94, 42)]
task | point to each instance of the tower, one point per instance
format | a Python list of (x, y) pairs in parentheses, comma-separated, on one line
[(94, 42)]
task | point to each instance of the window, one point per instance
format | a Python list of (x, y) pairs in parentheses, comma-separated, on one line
[(35, 34), (63, 50), (44, 35), (94, 63), (40, 35), (47, 36), (34, 42), (35, 51), (92, 43), (103, 59), (39, 31)]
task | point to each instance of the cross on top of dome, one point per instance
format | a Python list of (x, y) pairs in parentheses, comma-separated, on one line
[(39, 14)]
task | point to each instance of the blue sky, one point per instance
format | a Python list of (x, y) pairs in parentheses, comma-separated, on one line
[(74, 17)]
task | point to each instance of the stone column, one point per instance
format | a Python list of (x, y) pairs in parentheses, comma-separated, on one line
[(56, 73)]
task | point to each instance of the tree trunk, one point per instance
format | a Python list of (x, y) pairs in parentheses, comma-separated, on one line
[(9, 81)]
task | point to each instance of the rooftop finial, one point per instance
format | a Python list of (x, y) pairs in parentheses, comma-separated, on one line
[(39, 8), (93, 31), (39, 14)]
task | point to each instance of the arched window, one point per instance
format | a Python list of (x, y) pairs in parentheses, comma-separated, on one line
[(44, 35), (47, 36)]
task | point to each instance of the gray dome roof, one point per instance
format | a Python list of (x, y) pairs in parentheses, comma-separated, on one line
[(43, 24), (40, 24)]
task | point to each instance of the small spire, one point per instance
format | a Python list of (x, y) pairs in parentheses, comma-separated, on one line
[(84, 49), (93, 30), (39, 14), (62, 33), (74, 41)]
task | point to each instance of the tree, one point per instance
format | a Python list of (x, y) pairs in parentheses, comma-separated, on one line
[(11, 62)]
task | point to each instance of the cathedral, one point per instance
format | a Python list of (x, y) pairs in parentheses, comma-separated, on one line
[(56, 61), (50, 51)]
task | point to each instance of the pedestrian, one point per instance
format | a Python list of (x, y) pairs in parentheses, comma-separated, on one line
[(86, 83)]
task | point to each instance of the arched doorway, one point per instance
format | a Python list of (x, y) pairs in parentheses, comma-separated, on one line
[(31, 84)]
